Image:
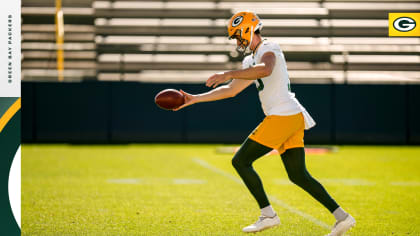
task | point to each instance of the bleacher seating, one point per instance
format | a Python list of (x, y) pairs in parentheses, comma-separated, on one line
[(185, 40), (38, 40)]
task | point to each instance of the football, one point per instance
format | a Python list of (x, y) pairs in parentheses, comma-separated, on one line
[(169, 99)]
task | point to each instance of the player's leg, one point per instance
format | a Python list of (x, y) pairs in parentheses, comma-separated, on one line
[(294, 162), (242, 162)]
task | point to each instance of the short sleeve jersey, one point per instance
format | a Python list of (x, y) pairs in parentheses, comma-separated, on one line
[(274, 90)]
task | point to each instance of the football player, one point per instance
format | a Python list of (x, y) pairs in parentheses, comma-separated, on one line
[(282, 128)]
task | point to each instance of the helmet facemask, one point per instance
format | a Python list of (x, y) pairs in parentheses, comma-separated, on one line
[(244, 44)]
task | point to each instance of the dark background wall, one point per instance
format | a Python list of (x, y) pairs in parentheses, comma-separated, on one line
[(121, 112)]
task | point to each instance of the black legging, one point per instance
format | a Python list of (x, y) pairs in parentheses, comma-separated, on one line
[(294, 162), (242, 161)]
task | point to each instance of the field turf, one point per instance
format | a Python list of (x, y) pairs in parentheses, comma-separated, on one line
[(193, 190)]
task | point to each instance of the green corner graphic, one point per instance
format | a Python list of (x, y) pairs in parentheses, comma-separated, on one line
[(9, 144)]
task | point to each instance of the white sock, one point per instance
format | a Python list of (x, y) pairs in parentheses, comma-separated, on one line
[(340, 214), (268, 211)]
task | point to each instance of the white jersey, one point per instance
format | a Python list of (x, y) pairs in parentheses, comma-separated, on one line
[(274, 90)]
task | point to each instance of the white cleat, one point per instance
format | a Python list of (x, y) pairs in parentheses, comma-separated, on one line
[(263, 223), (341, 227)]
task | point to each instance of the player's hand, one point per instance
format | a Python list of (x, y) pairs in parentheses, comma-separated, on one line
[(217, 79), (189, 99)]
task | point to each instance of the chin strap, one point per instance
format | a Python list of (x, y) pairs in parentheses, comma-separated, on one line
[(256, 47)]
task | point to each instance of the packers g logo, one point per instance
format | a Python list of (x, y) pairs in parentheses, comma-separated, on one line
[(237, 21), (403, 24)]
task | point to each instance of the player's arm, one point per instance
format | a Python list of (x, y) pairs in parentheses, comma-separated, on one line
[(264, 69), (222, 92)]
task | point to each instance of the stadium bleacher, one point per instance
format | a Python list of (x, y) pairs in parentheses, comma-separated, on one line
[(324, 41), (38, 40)]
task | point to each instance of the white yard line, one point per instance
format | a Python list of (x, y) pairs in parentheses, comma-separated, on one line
[(272, 198), (217, 170), (300, 213)]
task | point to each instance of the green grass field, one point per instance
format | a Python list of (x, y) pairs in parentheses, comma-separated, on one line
[(193, 190)]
